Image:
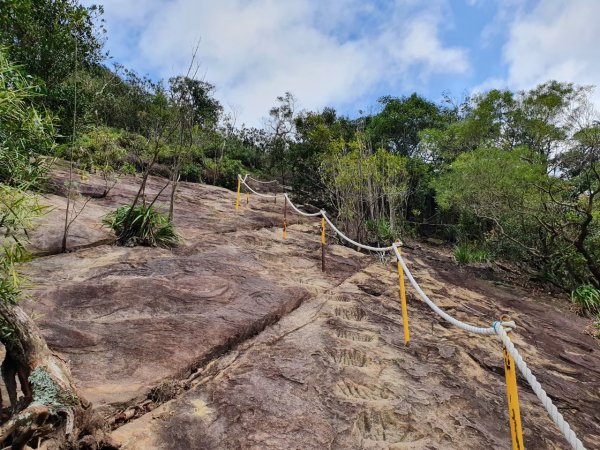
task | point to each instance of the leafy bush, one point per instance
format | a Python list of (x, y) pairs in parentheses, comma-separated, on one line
[(105, 149), (224, 173), (469, 253), (143, 225), (25, 133), (17, 211), (587, 297), (380, 232), (191, 172)]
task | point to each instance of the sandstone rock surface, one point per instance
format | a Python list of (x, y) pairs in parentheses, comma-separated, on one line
[(278, 355)]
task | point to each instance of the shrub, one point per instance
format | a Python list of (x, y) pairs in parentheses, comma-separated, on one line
[(25, 132), (587, 297), (104, 149), (224, 173), (143, 225), (380, 232), (468, 253)]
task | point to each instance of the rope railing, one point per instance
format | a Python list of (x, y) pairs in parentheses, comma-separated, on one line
[(302, 213), (499, 328), (260, 181), (541, 394), (439, 311), (243, 181)]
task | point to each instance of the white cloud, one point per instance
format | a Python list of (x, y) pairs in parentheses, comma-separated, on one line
[(559, 40), (326, 53)]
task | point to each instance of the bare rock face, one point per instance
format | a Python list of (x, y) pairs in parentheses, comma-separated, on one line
[(275, 354), (335, 374), (129, 318)]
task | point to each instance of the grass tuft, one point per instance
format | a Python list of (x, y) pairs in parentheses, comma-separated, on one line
[(587, 297), (468, 253)]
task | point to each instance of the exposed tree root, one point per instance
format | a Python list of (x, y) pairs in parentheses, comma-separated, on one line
[(54, 415)]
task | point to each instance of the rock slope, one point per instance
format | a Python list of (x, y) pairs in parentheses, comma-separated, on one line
[(274, 354)]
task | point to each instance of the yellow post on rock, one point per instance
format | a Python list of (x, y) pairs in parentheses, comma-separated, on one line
[(239, 190), (403, 303), (323, 244), (514, 412)]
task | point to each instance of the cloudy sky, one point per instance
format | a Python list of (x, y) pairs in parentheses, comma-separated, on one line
[(348, 53)]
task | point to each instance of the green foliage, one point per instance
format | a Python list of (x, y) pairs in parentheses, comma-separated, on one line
[(362, 181), (197, 97), (380, 232), (7, 331), (103, 149), (143, 225), (42, 35), (587, 297), (226, 172), (25, 133), (17, 210), (397, 126), (488, 181), (466, 253)]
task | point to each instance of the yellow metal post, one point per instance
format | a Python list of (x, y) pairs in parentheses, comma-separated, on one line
[(514, 413), (403, 303), (323, 244), (237, 198)]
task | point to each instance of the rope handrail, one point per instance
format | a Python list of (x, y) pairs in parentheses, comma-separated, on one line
[(243, 181), (497, 328), (336, 229), (541, 394), (260, 181), (439, 311), (295, 208), (358, 244)]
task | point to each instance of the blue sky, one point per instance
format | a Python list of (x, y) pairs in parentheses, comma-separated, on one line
[(348, 53)]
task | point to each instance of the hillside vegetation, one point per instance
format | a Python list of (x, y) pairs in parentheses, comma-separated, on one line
[(499, 176)]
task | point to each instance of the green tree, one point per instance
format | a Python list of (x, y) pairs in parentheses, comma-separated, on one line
[(397, 127), (41, 35)]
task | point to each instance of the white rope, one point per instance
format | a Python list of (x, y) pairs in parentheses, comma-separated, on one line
[(295, 208), (358, 244), (243, 180), (556, 416), (497, 328), (440, 312), (262, 182)]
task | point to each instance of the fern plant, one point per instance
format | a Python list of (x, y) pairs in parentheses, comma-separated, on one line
[(587, 297), (143, 225)]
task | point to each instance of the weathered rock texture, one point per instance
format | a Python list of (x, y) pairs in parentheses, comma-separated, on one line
[(329, 371)]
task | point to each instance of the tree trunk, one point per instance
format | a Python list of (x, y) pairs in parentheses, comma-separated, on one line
[(175, 180), (56, 410)]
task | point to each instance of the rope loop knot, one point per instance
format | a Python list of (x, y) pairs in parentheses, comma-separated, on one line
[(508, 325)]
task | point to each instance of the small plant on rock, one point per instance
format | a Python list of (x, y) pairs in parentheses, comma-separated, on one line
[(587, 297), (142, 225), (468, 253)]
